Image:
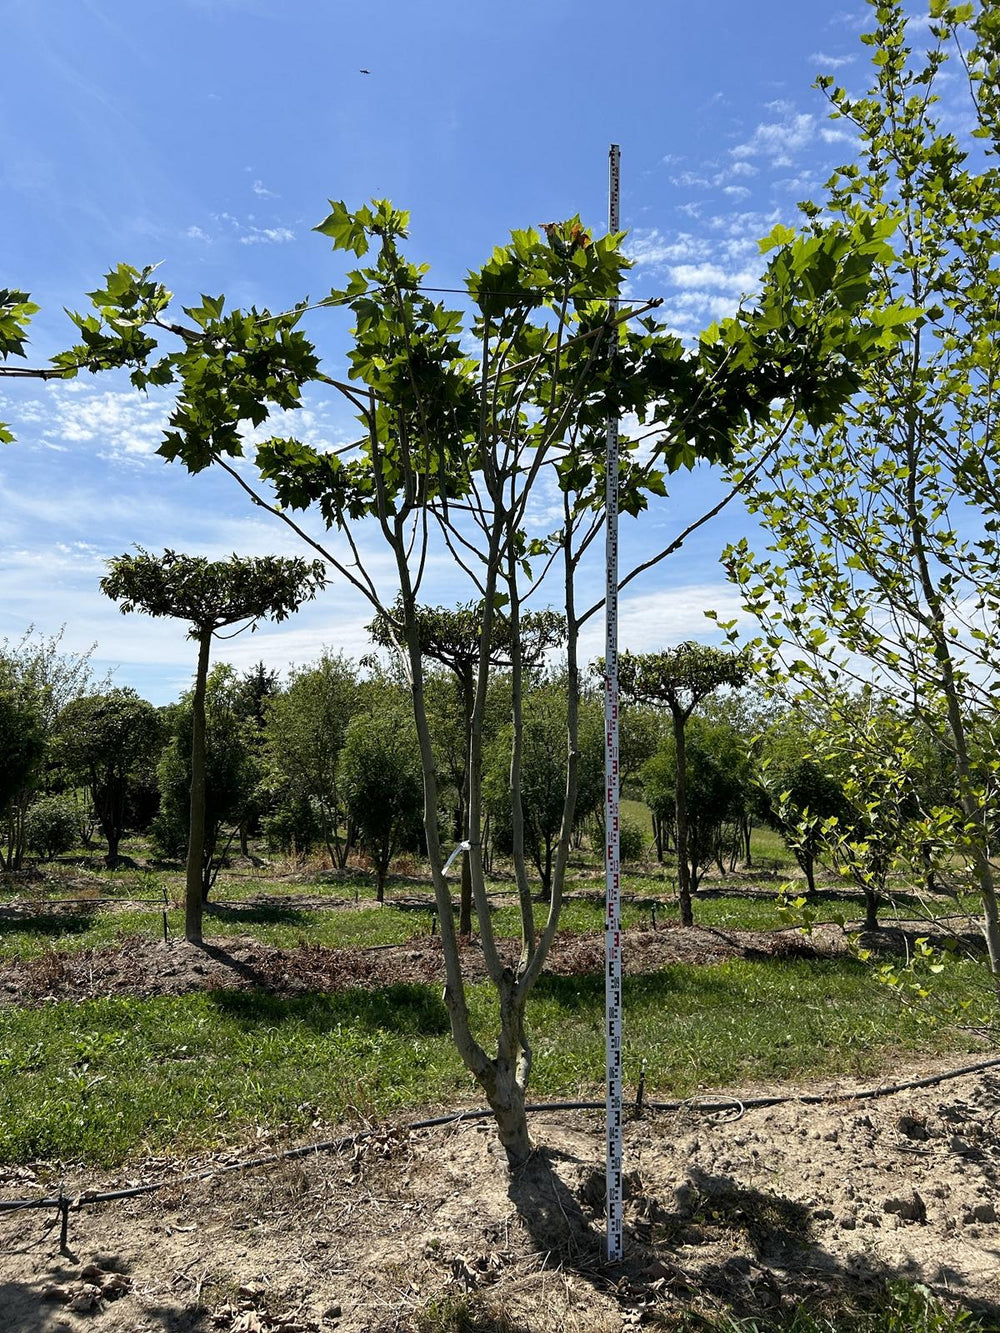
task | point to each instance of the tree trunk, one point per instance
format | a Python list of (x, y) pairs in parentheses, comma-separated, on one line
[(683, 868), (507, 1105), (465, 896), (195, 875), (872, 901)]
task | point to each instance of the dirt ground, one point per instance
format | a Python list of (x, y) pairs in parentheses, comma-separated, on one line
[(751, 1211), (140, 967)]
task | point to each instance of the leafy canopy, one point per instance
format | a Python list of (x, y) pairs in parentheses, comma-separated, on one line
[(210, 594)]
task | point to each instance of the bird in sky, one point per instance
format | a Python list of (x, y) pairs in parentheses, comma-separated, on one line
[(364, 71)]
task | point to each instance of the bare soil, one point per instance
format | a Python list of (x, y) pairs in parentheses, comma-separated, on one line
[(754, 1212), (139, 967)]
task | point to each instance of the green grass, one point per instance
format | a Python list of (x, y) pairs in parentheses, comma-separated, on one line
[(283, 924), (284, 927), (112, 1078), (895, 1307)]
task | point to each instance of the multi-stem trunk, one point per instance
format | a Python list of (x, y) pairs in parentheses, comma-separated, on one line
[(502, 1078), (194, 878)]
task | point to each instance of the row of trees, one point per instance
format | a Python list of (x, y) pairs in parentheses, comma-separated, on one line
[(329, 762)]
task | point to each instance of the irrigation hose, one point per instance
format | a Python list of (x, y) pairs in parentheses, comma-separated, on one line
[(708, 1105)]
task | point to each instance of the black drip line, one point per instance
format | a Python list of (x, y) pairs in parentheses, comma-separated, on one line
[(65, 1203)]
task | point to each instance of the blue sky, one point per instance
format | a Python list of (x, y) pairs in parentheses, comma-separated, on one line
[(209, 134)]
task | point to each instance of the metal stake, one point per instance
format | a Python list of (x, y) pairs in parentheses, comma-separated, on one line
[(612, 864)]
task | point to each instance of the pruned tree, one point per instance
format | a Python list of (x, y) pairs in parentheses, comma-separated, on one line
[(208, 595), (679, 680), (543, 775), (22, 744), (231, 775), (713, 797), (452, 448)]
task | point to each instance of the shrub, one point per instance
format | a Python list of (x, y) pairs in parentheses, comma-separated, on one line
[(294, 828), (631, 840), (51, 827)]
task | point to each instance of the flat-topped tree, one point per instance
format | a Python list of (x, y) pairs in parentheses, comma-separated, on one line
[(680, 679), (208, 595)]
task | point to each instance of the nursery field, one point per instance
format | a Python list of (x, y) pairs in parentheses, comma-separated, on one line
[(312, 1014)]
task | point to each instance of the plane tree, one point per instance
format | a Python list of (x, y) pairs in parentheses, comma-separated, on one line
[(209, 595), (453, 447), (881, 565)]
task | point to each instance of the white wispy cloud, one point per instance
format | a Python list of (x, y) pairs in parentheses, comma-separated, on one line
[(690, 276), (779, 140), (267, 236), (651, 621), (259, 188), (651, 249), (118, 423), (245, 230), (690, 180), (686, 308), (826, 62)]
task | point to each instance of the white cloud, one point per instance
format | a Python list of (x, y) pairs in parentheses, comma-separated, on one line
[(779, 140), (748, 225), (806, 182), (685, 306), (651, 249), (711, 275), (690, 180), (267, 236), (259, 188), (854, 19), (830, 62), (118, 423), (247, 232), (652, 621), (196, 234)]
